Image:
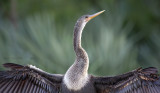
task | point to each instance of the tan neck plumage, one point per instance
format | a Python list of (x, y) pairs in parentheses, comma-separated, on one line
[(76, 76)]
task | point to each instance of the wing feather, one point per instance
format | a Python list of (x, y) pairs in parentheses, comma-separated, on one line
[(137, 81), (24, 79)]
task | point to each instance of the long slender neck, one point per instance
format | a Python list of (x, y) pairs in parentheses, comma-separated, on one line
[(80, 52), (77, 75), (77, 37)]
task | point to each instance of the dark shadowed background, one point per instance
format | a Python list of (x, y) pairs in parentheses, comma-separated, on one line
[(39, 32)]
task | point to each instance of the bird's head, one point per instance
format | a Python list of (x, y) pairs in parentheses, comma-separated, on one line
[(85, 18)]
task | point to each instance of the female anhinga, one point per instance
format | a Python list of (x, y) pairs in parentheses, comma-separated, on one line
[(29, 79)]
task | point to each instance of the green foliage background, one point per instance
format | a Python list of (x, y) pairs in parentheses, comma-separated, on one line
[(39, 32)]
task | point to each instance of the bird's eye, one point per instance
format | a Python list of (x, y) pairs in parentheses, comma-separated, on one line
[(86, 17)]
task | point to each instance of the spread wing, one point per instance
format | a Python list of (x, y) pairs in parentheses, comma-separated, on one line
[(137, 81), (28, 79)]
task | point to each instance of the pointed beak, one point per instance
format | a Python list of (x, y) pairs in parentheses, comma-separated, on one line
[(94, 15)]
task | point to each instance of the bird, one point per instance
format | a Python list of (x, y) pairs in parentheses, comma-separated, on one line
[(30, 79)]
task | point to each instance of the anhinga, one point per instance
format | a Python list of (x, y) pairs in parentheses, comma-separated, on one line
[(29, 79)]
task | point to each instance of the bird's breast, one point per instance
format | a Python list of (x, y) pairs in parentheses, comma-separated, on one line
[(75, 82), (78, 87), (77, 76)]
